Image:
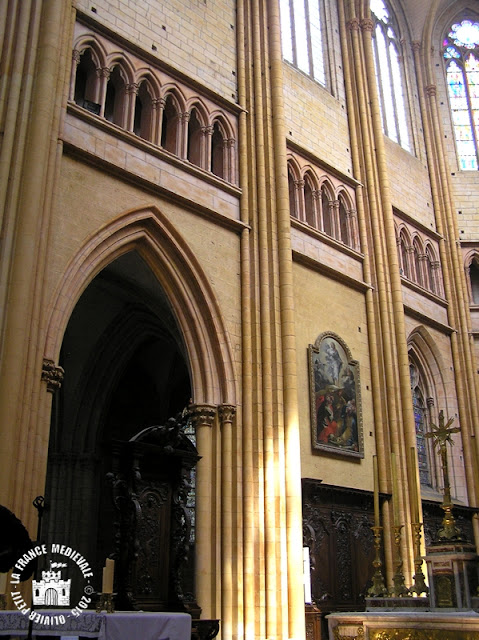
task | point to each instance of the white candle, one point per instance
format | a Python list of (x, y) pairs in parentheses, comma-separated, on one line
[(3, 582), (307, 576), (108, 571)]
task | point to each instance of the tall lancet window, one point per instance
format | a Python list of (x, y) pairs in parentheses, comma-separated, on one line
[(390, 75), (420, 420), (461, 53), (302, 36)]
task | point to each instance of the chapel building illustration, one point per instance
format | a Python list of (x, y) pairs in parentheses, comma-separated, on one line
[(51, 589)]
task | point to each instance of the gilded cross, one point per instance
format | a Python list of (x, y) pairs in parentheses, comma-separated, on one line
[(442, 435)]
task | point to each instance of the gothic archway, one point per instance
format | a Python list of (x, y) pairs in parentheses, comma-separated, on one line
[(139, 336)]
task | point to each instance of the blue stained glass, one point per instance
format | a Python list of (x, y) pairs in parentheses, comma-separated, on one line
[(450, 52)]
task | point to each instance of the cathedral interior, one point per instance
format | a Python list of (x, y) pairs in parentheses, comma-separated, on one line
[(239, 302)]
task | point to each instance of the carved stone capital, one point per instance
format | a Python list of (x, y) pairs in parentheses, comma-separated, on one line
[(299, 184), (103, 72), (185, 116), (202, 415), (353, 25), (158, 103), (416, 45), (52, 375), (207, 131), (367, 25), (431, 90), (132, 88), (230, 143), (226, 412), (76, 55)]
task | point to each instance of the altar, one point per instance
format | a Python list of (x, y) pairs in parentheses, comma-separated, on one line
[(404, 625), (121, 625)]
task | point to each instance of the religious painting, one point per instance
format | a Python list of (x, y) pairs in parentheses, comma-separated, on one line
[(336, 416)]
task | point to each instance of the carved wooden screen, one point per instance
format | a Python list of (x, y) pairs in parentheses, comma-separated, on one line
[(337, 529), (151, 480)]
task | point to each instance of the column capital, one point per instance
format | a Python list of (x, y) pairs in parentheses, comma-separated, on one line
[(76, 55), (353, 25), (416, 45), (52, 374), (132, 88), (431, 90), (226, 412), (103, 72), (202, 415), (367, 25)]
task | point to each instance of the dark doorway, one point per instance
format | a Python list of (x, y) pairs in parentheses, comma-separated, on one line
[(125, 369)]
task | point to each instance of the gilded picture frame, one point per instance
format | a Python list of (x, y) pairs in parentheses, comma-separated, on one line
[(335, 394)]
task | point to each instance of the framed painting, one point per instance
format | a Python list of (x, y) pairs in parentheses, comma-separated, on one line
[(335, 393)]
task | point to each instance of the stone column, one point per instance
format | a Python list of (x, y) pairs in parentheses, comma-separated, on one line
[(203, 416), (226, 414), (131, 92), (231, 160), (158, 106), (103, 77), (182, 139)]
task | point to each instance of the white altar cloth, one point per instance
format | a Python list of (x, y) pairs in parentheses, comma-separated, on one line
[(121, 625)]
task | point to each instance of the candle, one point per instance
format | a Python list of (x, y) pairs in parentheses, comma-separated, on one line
[(307, 576), (376, 492), (108, 571), (414, 491), (3, 583), (395, 490)]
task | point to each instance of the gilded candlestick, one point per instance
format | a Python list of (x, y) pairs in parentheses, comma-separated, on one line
[(399, 588), (378, 588), (419, 586)]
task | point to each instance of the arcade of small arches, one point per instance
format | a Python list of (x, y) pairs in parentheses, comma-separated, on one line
[(322, 205), (147, 102), (418, 260)]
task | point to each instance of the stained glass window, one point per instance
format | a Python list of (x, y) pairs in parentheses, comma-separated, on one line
[(420, 421), (390, 74), (461, 54), (302, 36)]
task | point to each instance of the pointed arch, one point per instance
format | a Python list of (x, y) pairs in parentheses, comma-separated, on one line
[(127, 70), (418, 253), (174, 107), (146, 75), (89, 41), (294, 173), (196, 142), (327, 199), (224, 123), (148, 232), (310, 198), (404, 249), (172, 91), (430, 384)]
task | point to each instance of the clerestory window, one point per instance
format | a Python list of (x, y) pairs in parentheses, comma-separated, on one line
[(461, 54), (302, 36), (390, 74)]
